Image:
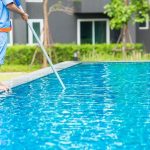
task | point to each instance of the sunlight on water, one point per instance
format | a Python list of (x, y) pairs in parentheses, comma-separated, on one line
[(106, 106)]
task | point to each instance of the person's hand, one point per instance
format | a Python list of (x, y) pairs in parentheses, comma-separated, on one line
[(25, 16)]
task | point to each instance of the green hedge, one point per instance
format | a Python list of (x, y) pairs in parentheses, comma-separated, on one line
[(22, 54), (90, 52)]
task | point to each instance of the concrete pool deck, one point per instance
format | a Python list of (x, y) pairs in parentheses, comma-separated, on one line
[(38, 74)]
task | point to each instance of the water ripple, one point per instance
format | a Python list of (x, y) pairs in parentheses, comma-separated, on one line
[(106, 107)]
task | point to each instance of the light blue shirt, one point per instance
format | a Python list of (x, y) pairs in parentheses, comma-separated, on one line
[(4, 14)]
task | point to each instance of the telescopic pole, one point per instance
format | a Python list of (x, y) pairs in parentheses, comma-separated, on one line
[(42, 48), (46, 55)]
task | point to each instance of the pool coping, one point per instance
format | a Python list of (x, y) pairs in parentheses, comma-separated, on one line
[(138, 61), (29, 77)]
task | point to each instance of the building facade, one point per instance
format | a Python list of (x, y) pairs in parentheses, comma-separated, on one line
[(87, 24)]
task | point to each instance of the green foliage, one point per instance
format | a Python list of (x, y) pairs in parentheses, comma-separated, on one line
[(22, 54), (19, 68), (99, 52), (120, 13), (142, 10)]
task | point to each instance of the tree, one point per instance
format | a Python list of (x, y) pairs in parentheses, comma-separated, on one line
[(47, 36), (121, 12)]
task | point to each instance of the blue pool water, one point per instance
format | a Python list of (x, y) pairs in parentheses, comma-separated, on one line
[(106, 107)]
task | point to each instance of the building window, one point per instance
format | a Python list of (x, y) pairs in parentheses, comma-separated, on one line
[(37, 25), (10, 36), (93, 31), (34, 1), (144, 25)]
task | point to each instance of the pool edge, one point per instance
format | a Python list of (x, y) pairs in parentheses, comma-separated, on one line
[(38, 74), (138, 61)]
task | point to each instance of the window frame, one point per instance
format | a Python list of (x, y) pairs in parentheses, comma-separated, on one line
[(146, 25), (93, 29), (30, 34)]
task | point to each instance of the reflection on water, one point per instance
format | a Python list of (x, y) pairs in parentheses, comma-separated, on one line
[(105, 106)]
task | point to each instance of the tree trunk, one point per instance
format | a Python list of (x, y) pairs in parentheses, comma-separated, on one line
[(124, 41), (124, 36), (46, 39)]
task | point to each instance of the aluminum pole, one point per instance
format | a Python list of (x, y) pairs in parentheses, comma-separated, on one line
[(46, 55)]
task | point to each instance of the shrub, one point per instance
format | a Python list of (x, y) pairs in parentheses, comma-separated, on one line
[(98, 52), (22, 54)]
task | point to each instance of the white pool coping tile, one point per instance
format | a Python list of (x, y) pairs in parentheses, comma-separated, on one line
[(39, 74)]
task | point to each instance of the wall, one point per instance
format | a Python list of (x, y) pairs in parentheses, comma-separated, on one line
[(143, 36), (20, 27), (63, 27), (89, 6)]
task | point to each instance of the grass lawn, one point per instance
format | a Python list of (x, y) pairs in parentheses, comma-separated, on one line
[(8, 76), (18, 68), (8, 72)]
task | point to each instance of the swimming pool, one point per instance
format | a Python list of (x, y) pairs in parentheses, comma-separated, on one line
[(106, 107)]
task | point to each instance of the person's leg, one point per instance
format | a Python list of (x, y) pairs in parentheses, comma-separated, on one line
[(3, 46)]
